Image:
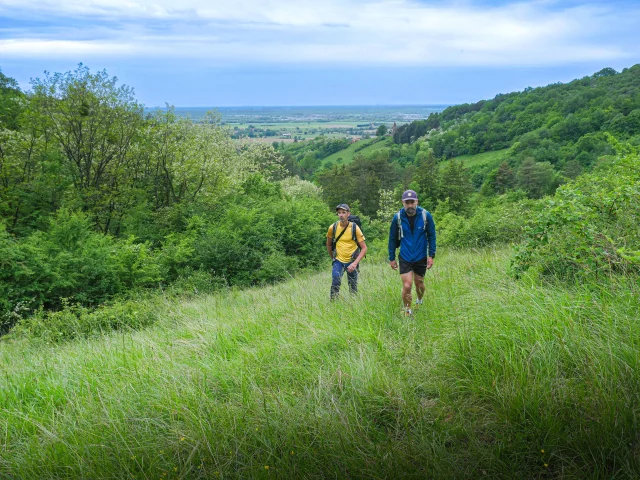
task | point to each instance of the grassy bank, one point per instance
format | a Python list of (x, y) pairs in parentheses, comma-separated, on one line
[(486, 159), (493, 378)]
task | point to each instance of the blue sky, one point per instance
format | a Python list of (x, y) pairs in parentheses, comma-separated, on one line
[(334, 52)]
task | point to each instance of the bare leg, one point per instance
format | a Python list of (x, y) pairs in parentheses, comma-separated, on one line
[(407, 281), (420, 288)]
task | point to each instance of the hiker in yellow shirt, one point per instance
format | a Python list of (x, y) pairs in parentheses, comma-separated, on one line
[(346, 247)]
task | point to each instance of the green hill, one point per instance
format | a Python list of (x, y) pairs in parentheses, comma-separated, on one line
[(363, 147), (491, 378)]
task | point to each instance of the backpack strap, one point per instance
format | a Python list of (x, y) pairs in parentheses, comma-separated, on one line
[(424, 220), (400, 234), (335, 240), (353, 232)]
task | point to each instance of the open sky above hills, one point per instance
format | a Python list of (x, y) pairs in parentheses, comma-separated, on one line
[(347, 52)]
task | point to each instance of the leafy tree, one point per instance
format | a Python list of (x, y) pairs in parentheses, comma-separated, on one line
[(95, 124), (537, 179), (455, 185), (427, 176), (12, 102), (382, 130)]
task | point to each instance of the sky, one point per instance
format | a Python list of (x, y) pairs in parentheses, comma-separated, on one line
[(329, 52)]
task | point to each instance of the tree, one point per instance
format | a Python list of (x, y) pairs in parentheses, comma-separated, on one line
[(455, 185), (535, 178), (382, 130), (427, 177), (12, 101), (95, 124), (504, 179)]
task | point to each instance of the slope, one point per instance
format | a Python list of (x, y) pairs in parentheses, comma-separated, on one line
[(493, 377)]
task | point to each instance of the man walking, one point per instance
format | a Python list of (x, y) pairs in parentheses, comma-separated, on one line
[(413, 230), (346, 247)]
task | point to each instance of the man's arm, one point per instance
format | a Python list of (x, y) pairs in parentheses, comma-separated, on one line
[(363, 252), (431, 239), (330, 247), (393, 239)]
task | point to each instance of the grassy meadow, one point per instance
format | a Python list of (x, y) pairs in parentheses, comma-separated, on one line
[(484, 159), (493, 378), (357, 147)]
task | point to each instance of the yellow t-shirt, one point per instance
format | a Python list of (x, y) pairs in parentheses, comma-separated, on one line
[(345, 246)]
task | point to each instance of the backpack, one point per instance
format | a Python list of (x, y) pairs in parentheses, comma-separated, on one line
[(400, 233), (355, 220)]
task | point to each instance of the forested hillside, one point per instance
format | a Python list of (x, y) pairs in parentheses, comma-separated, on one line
[(545, 137)]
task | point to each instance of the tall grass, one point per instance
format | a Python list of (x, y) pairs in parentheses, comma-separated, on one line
[(492, 378)]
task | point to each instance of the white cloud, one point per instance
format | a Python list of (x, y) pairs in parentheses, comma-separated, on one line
[(393, 32)]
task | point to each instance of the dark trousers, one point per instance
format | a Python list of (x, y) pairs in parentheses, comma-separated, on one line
[(336, 278)]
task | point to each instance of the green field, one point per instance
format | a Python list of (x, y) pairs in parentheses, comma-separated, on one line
[(493, 378), (481, 159)]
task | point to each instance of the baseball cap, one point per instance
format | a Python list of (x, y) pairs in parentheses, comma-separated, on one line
[(343, 206), (409, 195)]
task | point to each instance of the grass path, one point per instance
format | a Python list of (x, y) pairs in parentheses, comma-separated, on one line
[(492, 378)]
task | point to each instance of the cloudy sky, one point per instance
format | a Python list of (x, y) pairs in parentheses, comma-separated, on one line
[(329, 52)]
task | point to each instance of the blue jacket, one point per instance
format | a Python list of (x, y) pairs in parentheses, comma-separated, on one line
[(414, 245)]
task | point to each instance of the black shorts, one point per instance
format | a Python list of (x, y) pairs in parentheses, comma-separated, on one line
[(419, 267)]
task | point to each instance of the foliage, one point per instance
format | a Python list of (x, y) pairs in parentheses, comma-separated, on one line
[(590, 227), (11, 102), (300, 189), (359, 181), (74, 321), (303, 158), (499, 221), (70, 261)]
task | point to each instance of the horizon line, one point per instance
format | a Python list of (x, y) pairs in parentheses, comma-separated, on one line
[(315, 106)]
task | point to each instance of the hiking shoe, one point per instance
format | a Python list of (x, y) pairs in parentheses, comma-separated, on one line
[(418, 302), (407, 312)]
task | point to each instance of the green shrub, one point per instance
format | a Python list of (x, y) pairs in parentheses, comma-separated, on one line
[(590, 227), (499, 221), (76, 321), (69, 260)]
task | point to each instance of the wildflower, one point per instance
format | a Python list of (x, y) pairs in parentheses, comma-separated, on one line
[(291, 452), (546, 465), (182, 439), (266, 467), (541, 451)]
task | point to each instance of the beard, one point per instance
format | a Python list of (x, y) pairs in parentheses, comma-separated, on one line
[(411, 211)]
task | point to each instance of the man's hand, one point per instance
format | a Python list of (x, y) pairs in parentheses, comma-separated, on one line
[(393, 264), (352, 267), (429, 262)]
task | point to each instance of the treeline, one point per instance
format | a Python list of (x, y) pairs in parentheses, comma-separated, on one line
[(558, 128), (562, 113), (99, 199)]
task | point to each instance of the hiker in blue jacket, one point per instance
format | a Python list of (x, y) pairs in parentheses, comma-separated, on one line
[(413, 230)]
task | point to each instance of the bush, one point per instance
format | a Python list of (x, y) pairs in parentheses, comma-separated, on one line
[(499, 221), (590, 227), (76, 321), (69, 260)]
